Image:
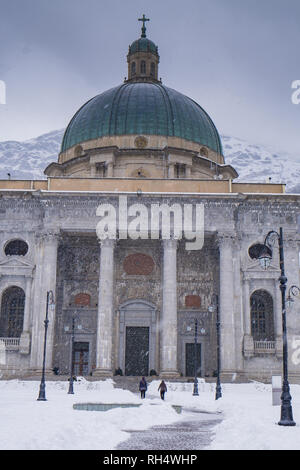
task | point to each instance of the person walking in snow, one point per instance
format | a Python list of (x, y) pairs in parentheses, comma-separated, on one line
[(163, 389), (143, 387)]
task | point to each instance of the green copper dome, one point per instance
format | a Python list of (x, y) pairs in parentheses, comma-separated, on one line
[(143, 45), (146, 108)]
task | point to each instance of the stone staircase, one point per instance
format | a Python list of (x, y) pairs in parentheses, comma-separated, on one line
[(130, 383)]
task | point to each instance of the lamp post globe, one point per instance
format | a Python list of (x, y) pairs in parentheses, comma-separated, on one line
[(195, 390), (214, 307)]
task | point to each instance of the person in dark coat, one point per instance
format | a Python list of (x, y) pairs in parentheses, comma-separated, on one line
[(143, 387), (163, 389)]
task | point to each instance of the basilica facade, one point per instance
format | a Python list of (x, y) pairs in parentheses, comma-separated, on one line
[(132, 303)]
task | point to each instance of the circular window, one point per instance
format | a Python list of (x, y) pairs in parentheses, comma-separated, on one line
[(16, 248), (140, 142)]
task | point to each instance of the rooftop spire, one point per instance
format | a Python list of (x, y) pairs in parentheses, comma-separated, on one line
[(144, 19)]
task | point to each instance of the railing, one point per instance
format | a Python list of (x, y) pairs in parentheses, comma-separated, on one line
[(264, 347), (10, 344)]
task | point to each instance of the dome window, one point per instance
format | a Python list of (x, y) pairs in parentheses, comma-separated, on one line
[(16, 248), (152, 69), (133, 68), (143, 66)]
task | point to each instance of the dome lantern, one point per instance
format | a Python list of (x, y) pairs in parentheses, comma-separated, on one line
[(143, 58)]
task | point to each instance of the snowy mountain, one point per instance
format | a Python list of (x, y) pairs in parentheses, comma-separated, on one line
[(254, 163)]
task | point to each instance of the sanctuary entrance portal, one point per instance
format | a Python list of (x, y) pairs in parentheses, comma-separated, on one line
[(190, 360), (137, 350), (81, 358), (137, 345)]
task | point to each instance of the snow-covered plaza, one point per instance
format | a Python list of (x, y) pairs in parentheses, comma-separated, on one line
[(248, 419)]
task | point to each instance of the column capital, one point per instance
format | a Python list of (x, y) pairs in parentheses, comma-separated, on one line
[(226, 238), (51, 235), (107, 242), (170, 243)]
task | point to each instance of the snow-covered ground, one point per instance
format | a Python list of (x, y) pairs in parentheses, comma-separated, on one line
[(250, 420)]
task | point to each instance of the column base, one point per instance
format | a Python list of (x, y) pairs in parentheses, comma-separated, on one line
[(248, 346), (38, 372), (102, 373), (24, 347), (169, 374)]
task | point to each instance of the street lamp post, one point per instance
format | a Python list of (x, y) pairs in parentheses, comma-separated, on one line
[(265, 258), (42, 392), (212, 308), (71, 390), (195, 391)]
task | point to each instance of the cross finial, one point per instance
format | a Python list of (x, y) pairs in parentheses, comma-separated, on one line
[(144, 19)]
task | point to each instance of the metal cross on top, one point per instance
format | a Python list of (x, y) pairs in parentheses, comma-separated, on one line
[(144, 19)]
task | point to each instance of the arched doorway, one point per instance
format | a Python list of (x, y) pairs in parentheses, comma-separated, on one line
[(137, 337)]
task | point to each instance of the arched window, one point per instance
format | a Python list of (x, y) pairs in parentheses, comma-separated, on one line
[(16, 247), (12, 312), (143, 66), (133, 68), (152, 69), (262, 320)]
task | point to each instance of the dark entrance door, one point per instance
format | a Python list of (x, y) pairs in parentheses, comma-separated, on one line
[(81, 358), (137, 350), (190, 360)]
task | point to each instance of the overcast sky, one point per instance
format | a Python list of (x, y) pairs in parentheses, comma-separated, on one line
[(236, 58)]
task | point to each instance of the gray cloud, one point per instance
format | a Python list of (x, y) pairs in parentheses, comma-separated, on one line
[(236, 58)]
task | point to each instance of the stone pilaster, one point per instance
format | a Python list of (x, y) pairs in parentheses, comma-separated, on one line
[(44, 281), (105, 310), (171, 170), (227, 330), (248, 344), (25, 335), (110, 170), (168, 366)]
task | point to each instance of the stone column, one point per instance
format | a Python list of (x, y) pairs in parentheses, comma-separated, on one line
[(93, 170), (188, 171), (44, 281), (110, 170), (105, 310), (168, 366), (248, 339), (227, 328)]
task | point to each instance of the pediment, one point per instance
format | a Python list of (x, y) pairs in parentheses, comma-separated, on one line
[(253, 270), (15, 266), (255, 266)]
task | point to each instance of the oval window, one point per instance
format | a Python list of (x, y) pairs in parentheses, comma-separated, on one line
[(16, 248)]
